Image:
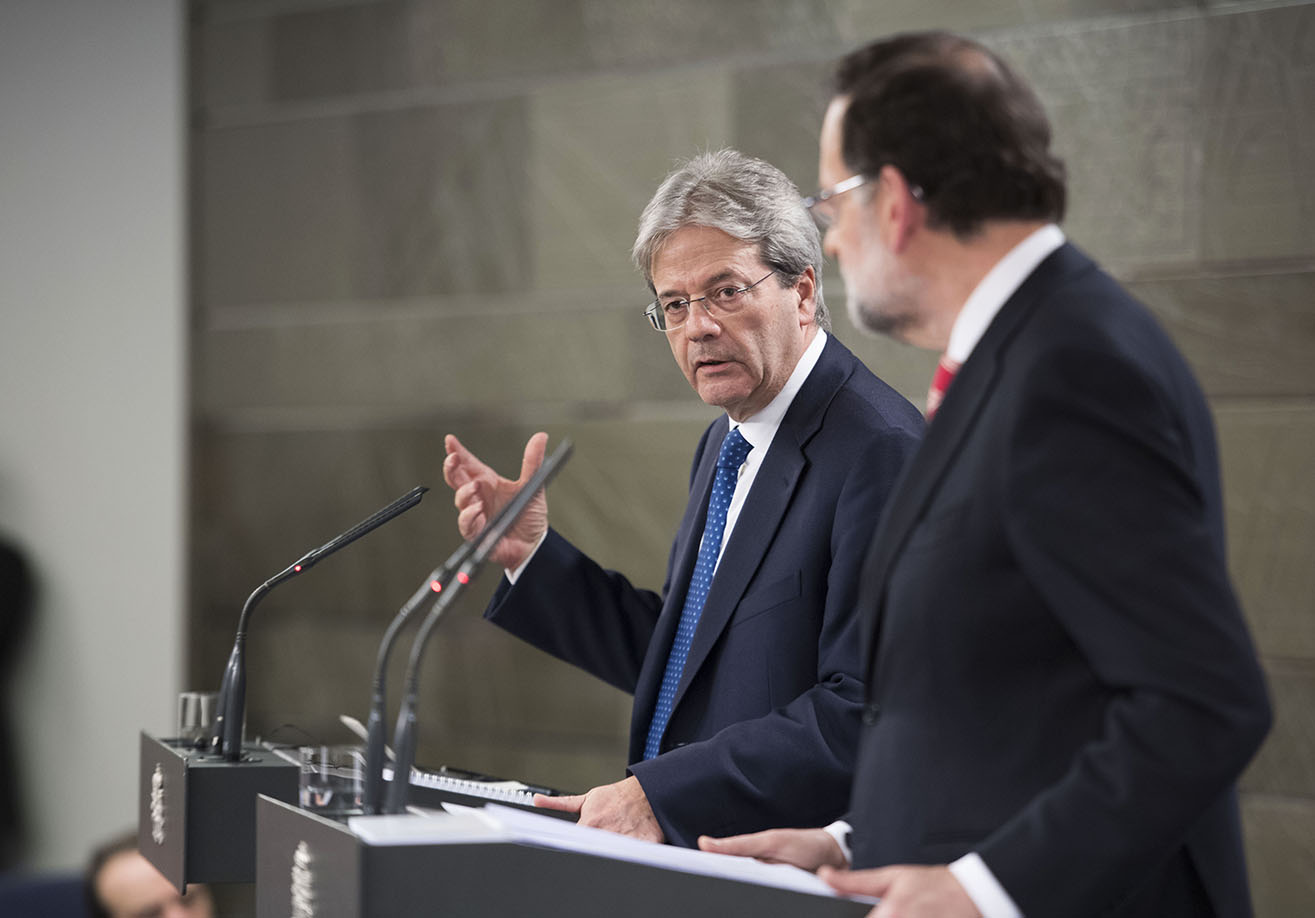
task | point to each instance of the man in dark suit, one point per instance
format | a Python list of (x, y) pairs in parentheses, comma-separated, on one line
[(1061, 688), (744, 667)]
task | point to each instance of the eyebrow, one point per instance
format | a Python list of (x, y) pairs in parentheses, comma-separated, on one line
[(710, 282)]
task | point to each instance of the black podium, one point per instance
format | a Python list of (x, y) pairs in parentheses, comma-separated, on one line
[(310, 866), (196, 819)]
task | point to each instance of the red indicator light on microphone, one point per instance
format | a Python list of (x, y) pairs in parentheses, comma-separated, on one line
[(463, 577), (436, 586), (296, 568)]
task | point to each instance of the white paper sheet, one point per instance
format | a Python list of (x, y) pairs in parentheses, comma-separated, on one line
[(494, 823)]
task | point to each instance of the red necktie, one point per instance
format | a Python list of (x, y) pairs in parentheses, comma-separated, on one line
[(940, 382)]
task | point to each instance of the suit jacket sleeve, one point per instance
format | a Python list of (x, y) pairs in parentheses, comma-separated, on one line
[(1135, 571), (793, 766), (568, 605)]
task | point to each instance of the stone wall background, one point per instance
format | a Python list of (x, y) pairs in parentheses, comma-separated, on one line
[(412, 218)]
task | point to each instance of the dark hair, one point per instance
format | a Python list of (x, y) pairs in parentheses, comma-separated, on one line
[(957, 122), (99, 858)]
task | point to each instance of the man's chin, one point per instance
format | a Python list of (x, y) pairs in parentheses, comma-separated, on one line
[(870, 319), (722, 394)]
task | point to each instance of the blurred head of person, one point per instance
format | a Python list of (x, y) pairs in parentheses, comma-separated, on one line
[(121, 883)]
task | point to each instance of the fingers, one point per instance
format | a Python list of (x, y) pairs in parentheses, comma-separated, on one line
[(460, 465), (470, 520), (753, 845), (567, 804), (534, 453), (858, 882), (478, 492), (807, 849)]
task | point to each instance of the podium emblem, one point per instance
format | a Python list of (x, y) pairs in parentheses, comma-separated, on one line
[(157, 805), (303, 882)]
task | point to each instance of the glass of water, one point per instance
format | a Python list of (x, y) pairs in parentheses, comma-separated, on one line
[(331, 778)]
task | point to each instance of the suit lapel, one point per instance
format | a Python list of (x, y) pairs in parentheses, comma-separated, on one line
[(766, 505), (956, 417), (919, 481)]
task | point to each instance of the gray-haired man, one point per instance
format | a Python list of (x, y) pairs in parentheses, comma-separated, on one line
[(744, 666)]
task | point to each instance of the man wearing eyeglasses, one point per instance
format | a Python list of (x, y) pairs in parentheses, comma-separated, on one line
[(1061, 689), (744, 666)]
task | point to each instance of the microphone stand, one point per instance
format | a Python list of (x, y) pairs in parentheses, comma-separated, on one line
[(372, 793), (475, 552), (230, 708)]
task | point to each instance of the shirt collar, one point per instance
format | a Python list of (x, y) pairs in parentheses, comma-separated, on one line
[(995, 289), (761, 427)]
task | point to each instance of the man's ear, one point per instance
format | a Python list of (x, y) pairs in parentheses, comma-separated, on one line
[(899, 210), (806, 285)]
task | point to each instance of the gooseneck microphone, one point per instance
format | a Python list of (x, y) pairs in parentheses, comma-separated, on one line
[(227, 738), (372, 793), (468, 560)]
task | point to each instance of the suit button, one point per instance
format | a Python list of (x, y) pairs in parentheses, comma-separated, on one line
[(871, 711)]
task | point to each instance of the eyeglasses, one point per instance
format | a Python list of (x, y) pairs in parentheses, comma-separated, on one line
[(824, 213), (722, 302)]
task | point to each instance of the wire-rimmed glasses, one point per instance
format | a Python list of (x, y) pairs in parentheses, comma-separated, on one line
[(667, 315)]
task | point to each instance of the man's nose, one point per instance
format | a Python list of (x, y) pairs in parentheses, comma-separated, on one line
[(829, 242), (700, 323)]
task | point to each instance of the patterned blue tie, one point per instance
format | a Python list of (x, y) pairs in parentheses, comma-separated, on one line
[(734, 449)]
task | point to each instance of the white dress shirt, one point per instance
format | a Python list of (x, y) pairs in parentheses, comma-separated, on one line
[(760, 430)]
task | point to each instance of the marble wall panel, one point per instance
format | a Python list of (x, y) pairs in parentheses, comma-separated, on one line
[(572, 768), (1280, 843), (461, 41), (260, 500), (600, 149), (1286, 763), (276, 213), (1267, 453), (230, 62), (422, 361), (1245, 335), (338, 50), (645, 34), (778, 115), (873, 19), (441, 194), (1257, 96), (397, 203), (1124, 105)]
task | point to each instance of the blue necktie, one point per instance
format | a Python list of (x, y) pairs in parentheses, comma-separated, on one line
[(733, 451)]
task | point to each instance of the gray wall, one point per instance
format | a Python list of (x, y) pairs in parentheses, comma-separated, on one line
[(413, 217), (93, 395)]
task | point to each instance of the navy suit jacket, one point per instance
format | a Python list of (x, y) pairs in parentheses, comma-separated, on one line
[(766, 716), (1060, 677)]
